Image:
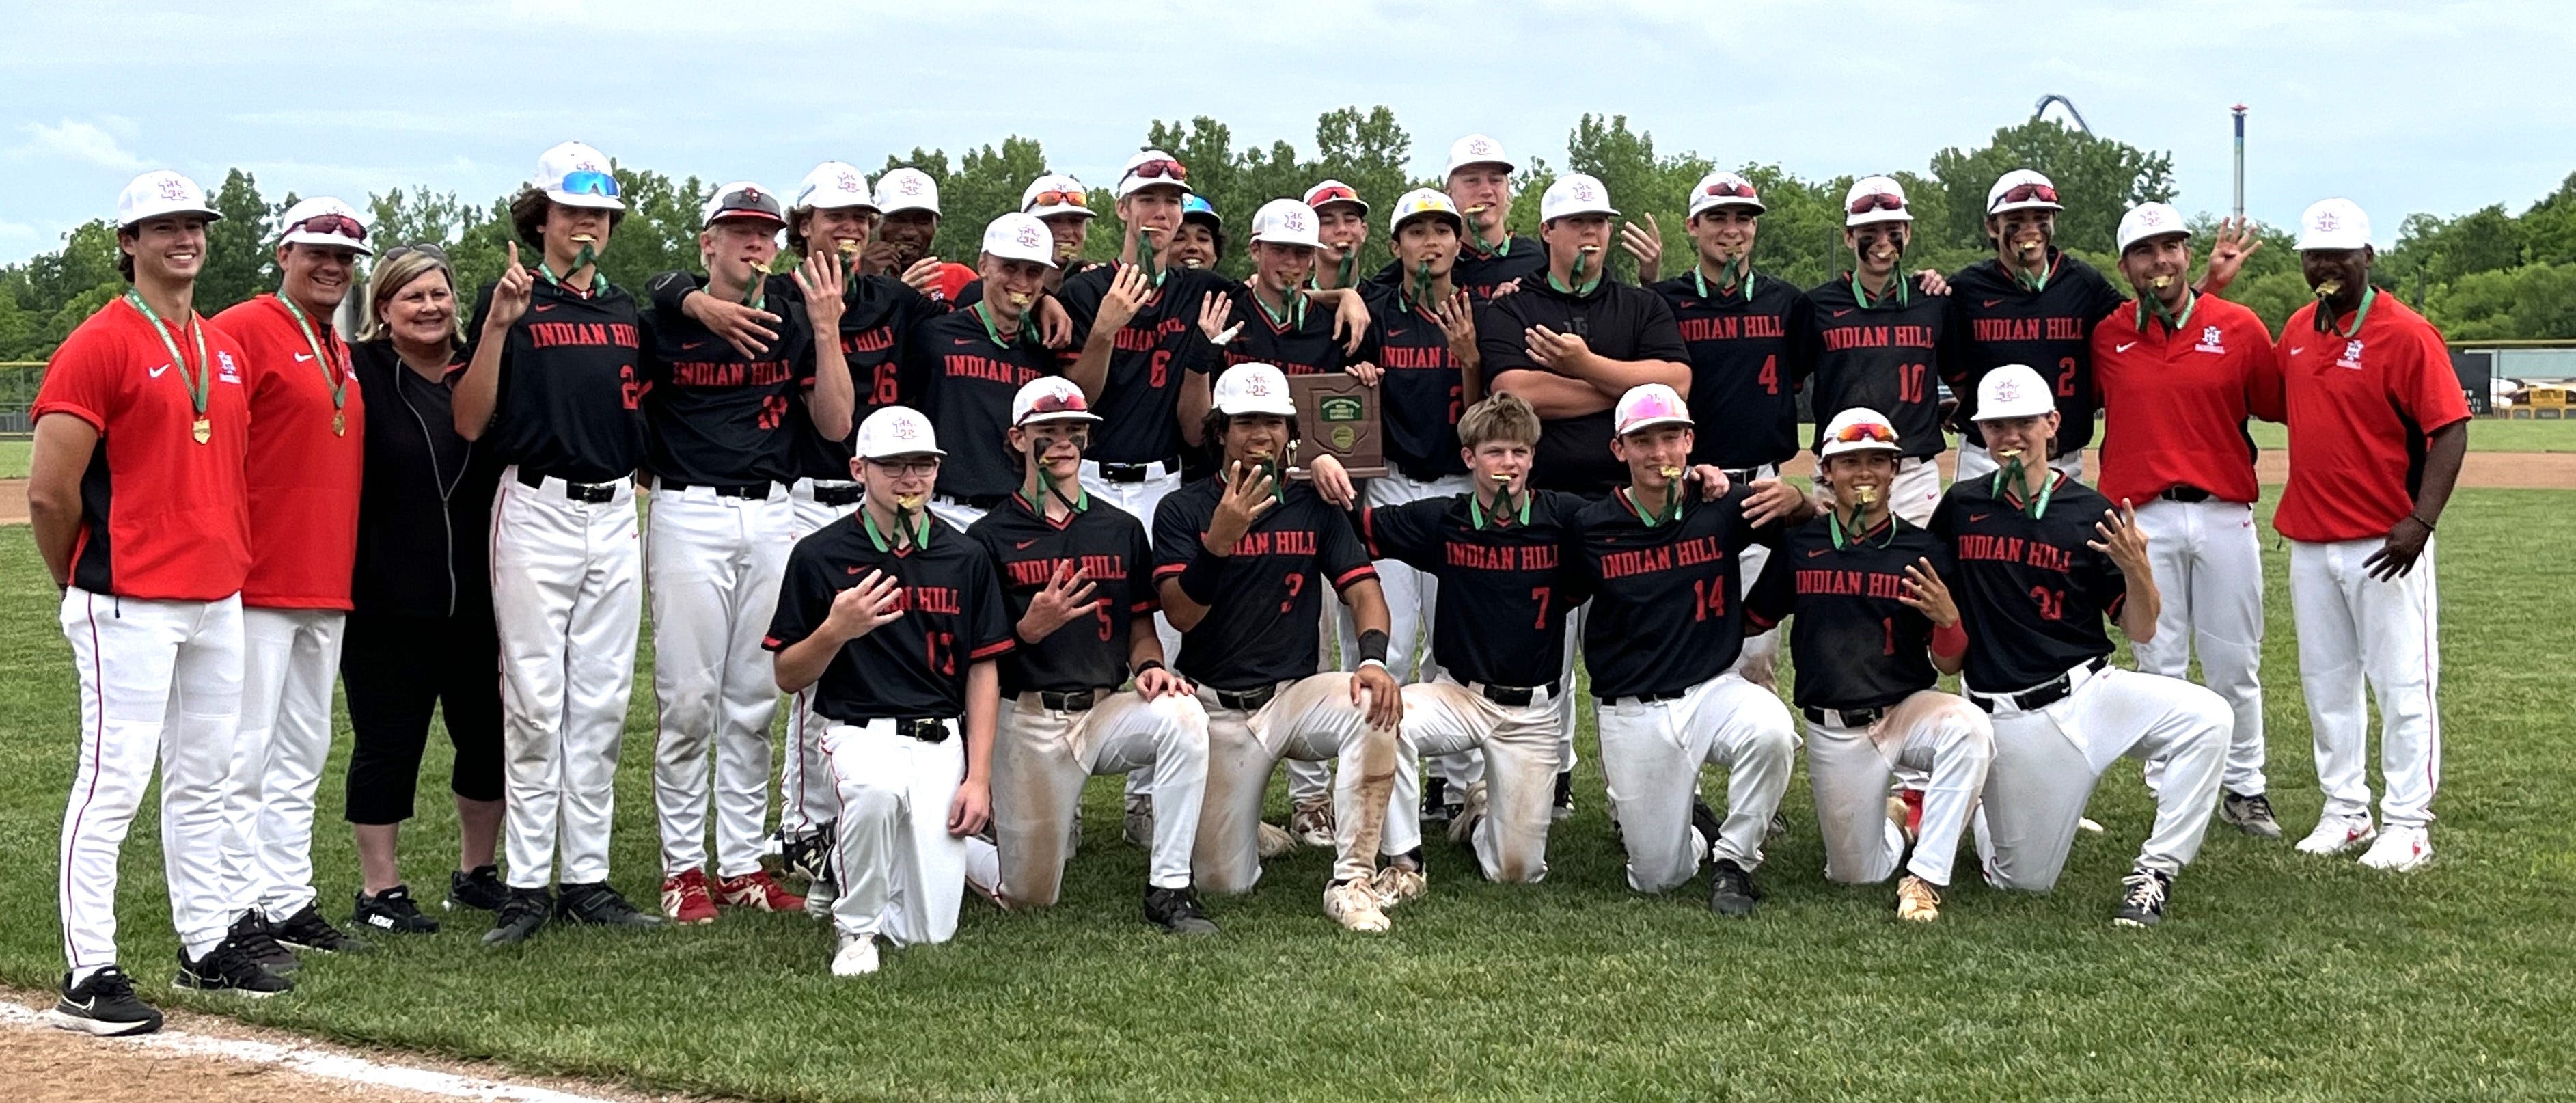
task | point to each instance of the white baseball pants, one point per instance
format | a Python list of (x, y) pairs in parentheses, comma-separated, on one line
[(1977, 463), (290, 659), (1651, 752), (1938, 734), (900, 872), (159, 680), (1761, 652), (2047, 762), (566, 596), (1042, 756), (954, 512), (1312, 719), (2209, 568), (1520, 756), (714, 564), (2352, 628), (1140, 499), (1412, 600), (805, 795)]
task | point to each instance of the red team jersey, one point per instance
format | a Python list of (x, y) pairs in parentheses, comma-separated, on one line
[(162, 516), (2360, 411), (303, 477), (2175, 403)]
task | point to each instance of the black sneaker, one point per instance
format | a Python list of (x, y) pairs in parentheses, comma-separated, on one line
[(1176, 911), (1564, 805), (307, 930), (392, 910), (2142, 899), (2250, 813), (1435, 800), (1730, 889), (809, 853), (1778, 826), (252, 935), (520, 915), (1704, 821), (598, 905), (227, 969), (480, 889), (104, 1005)]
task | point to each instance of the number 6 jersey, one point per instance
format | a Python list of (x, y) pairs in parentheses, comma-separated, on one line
[(2031, 590)]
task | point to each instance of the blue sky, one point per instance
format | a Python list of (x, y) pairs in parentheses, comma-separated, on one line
[(2403, 107)]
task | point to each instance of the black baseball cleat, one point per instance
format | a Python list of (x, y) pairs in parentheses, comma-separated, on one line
[(227, 969), (391, 911), (521, 914), (598, 905), (480, 889), (1730, 889), (257, 940), (1176, 911), (1563, 806), (1704, 821), (2142, 899), (1435, 800), (2250, 813), (104, 1006), (808, 854), (307, 930)]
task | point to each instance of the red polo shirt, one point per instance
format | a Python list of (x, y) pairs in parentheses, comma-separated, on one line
[(163, 517), (2361, 409), (303, 477), (2175, 403)]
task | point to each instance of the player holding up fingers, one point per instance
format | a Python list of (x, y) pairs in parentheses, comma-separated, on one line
[(967, 364)]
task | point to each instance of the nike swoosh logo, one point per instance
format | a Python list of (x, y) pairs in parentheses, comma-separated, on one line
[(156, 372), (1976, 517), (1845, 310), (1990, 302), (2124, 348), (1814, 552), (301, 357), (543, 307), (964, 341), (2297, 349), (1018, 544), (851, 570)]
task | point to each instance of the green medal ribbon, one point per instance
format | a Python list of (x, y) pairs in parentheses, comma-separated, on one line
[(908, 532), (1349, 265), (201, 382), (1503, 507), (2010, 475), (1080, 501), (332, 373), (1422, 283), (755, 288), (1846, 533), (1896, 287), (2325, 315), (1736, 273), (984, 314), (584, 259), (2038, 283), (2173, 322), (1291, 312), (1670, 514)]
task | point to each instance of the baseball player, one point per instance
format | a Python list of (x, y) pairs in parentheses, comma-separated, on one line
[(1079, 576), (895, 620), (2029, 303), (1490, 259), (2041, 560), (1875, 629), (1341, 223), (138, 504), (907, 202), (2179, 372), (1241, 562), (1285, 322), (1201, 239), (2377, 433), (1661, 644), (308, 425), (1877, 337), (720, 451), (1064, 205), (967, 364), (555, 383)]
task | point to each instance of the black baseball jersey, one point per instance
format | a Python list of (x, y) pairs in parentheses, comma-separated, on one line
[(1884, 355), (2032, 592), (1100, 540), (1504, 594), (1300, 344), (914, 665), (716, 417), (572, 383), (876, 312), (1262, 629), (965, 383), (1856, 643), (1478, 272), (973, 292), (1664, 616), (1420, 394), (1749, 355), (1619, 321), (1139, 405), (1994, 321)]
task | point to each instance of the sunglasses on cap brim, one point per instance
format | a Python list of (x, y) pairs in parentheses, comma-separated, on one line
[(1333, 195), (338, 225), (1877, 201), (1161, 170), (1724, 189), (2024, 193), (589, 182), (1060, 199), (1865, 433)]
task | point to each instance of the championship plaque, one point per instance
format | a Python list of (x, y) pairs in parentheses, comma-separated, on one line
[(1337, 415)]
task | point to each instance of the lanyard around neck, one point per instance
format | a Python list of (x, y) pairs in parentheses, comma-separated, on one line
[(201, 380), (1895, 290), (2325, 315), (1476, 511), (877, 536), (1743, 279), (335, 374)]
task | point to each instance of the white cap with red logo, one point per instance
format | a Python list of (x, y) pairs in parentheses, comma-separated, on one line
[(2333, 224), (1648, 405), (1285, 222), (1148, 169), (1017, 236), (907, 189), (576, 175), (1875, 199), (1053, 194), (1572, 194), (2149, 220), (1050, 398), (834, 184), (1477, 149), (896, 431), (2013, 390), (161, 192), (325, 222), (1722, 189), (1859, 429), (1253, 389)]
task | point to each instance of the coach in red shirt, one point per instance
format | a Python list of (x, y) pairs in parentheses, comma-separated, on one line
[(2378, 427)]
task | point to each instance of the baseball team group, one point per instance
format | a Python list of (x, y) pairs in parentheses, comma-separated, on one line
[(992, 529)]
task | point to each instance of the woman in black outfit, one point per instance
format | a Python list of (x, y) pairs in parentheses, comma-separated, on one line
[(420, 635)]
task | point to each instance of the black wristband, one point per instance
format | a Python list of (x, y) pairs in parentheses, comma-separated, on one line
[(1199, 579), (1149, 664), (1373, 645)]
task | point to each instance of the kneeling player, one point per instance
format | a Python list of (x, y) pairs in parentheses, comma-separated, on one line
[(896, 619), (2036, 576), (1874, 621), (1079, 577)]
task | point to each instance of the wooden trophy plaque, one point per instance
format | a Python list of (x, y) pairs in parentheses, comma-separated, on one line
[(1338, 415)]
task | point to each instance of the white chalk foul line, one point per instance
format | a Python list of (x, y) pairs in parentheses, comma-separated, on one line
[(320, 1063)]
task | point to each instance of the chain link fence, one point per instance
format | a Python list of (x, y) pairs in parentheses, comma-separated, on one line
[(18, 379)]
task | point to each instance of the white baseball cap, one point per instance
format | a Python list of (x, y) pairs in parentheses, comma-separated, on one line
[(1253, 389), (2035, 192), (1572, 194), (1477, 149), (576, 175), (1877, 190), (161, 192), (1334, 191), (1859, 429), (2333, 224), (1285, 222), (1421, 203), (834, 184), (2148, 220), (1648, 405), (1722, 189), (907, 189), (1053, 194), (741, 199), (2013, 390), (1018, 236), (1050, 398), (1151, 168), (326, 222), (896, 431)]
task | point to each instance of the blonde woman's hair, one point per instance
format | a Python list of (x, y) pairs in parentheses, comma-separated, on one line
[(1503, 417), (397, 269)]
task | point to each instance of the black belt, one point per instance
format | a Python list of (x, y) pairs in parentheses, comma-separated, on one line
[(1742, 475), (594, 493), (838, 495), (928, 729), (753, 491), (978, 501), (1068, 702), (1517, 696), (2186, 493), (1844, 718), (2039, 696), (1422, 474), (1135, 472), (1648, 698), (1245, 700)]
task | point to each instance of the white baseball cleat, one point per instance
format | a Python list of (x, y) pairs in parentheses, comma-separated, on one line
[(1354, 905), (858, 956), (1275, 840), (1917, 901), (1462, 824), (1312, 824), (1396, 884), (2400, 849), (2336, 835), (2088, 825)]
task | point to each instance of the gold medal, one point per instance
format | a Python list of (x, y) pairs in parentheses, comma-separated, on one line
[(339, 423), (204, 430)]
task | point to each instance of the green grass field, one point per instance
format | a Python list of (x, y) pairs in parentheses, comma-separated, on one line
[(2276, 977), (13, 458)]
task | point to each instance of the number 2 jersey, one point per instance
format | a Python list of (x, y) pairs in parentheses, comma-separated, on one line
[(1504, 587), (1996, 320), (1856, 643), (572, 385), (1664, 616), (916, 664), (2031, 590), (1263, 628), (1883, 354)]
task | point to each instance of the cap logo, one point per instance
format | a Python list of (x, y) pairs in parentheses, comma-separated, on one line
[(1582, 191), (909, 186), (1480, 145), (1029, 236), (849, 181), (2151, 217), (2327, 221), (751, 193), (174, 189), (906, 430), (2007, 390), (1257, 388), (1292, 220), (584, 165)]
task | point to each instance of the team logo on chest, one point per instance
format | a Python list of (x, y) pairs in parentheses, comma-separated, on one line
[(224, 368), (2351, 355), (2209, 341)]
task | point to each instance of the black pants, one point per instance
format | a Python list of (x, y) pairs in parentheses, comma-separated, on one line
[(395, 670)]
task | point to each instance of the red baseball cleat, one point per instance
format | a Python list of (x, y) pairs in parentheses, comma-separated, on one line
[(684, 898), (758, 891)]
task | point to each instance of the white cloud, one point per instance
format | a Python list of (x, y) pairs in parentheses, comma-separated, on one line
[(81, 142)]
